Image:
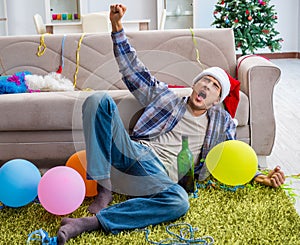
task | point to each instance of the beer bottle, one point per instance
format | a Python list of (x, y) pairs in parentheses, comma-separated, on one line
[(185, 166)]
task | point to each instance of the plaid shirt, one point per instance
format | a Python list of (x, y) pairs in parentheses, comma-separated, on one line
[(163, 108)]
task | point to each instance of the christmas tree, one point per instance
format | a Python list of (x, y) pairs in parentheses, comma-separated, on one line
[(252, 22)]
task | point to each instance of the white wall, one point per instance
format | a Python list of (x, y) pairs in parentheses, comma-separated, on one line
[(20, 15), (299, 28), (204, 13), (288, 23), (136, 9)]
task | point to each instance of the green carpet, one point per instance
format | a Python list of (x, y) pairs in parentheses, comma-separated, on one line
[(252, 215)]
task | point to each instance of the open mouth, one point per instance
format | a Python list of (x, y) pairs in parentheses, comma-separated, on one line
[(202, 94)]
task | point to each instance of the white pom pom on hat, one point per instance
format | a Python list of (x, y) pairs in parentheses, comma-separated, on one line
[(220, 75)]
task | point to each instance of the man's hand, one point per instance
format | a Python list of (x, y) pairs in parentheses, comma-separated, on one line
[(275, 178), (117, 11)]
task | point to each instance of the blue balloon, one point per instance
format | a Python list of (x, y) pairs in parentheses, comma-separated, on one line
[(19, 181)]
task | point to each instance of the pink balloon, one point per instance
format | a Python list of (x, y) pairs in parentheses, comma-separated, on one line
[(61, 190)]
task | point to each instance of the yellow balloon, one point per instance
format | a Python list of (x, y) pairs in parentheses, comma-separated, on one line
[(232, 162)]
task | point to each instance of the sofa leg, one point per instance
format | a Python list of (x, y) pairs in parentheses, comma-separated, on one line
[(262, 162)]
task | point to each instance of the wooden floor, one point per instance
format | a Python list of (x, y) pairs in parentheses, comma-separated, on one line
[(286, 151)]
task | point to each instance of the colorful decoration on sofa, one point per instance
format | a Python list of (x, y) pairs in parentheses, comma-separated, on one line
[(51, 82), (14, 83), (42, 48), (61, 67), (25, 82)]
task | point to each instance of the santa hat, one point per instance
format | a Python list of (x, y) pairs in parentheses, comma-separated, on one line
[(232, 100), (220, 75)]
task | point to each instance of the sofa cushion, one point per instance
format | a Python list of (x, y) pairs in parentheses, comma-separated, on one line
[(44, 111), (62, 110)]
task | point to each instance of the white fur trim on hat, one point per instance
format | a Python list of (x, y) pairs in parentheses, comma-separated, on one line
[(220, 75)]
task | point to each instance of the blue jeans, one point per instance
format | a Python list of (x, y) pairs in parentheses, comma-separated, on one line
[(133, 169)]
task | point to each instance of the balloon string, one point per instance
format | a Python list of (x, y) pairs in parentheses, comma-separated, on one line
[(196, 49), (212, 184), (63, 51), (41, 236), (42, 47), (185, 235), (78, 59)]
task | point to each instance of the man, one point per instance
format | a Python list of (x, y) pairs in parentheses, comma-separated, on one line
[(144, 165)]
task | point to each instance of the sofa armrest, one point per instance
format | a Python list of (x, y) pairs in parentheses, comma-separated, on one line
[(258, 77)]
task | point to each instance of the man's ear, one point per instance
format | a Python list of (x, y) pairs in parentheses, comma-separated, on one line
[(216, 102)]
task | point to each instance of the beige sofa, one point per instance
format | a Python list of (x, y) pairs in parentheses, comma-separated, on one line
[(46, 127)]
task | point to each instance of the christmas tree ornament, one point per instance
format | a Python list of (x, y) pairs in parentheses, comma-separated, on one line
[(266, 31)]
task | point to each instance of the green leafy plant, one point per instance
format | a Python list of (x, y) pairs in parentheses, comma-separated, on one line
[(252, 22)]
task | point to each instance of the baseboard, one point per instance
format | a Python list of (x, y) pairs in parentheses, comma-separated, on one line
[(262, 162), (283, 55)]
